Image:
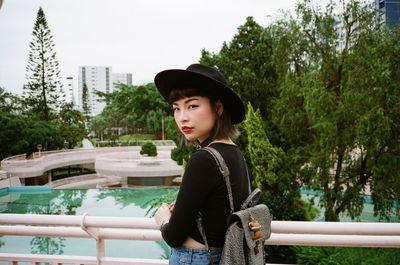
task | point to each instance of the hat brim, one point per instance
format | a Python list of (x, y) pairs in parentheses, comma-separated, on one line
[(168, 80)]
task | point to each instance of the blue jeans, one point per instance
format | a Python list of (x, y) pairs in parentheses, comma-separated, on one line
[(188, 256)]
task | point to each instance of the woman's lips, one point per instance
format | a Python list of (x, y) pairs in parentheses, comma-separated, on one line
[(186, 129)]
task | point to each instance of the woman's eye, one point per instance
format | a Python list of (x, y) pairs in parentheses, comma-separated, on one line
[(193, 106)]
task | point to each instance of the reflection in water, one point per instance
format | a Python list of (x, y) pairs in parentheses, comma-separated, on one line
[(95, 202), (149, 199), (165, 248), (47, 245), (146, 198), (62, 203)]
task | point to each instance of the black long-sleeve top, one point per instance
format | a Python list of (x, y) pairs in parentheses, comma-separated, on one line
[(203, 189)]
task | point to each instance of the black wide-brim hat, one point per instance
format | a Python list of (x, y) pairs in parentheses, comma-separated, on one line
[(204, 78)]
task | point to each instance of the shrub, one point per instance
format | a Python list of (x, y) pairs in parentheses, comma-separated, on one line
[(182, 153), (149, 149), (346, 256)]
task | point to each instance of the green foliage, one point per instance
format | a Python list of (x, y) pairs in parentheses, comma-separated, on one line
[(346, 256), (247, 65), (98, 125), (43, 92), (72, 125), (136, 137), (155, 203), (9, 103), (182, 153), (270, 172), (138, 109), (149, 149), (172, 130), (338, 111), (44, 133), (86, 102), (12, 135), (21, 134)]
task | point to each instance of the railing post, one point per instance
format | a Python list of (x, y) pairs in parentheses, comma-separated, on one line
[(100, 250)]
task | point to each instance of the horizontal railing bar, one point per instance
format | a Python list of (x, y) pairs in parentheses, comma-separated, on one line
[(43, 258), (154, 235), (333, 240), (69, 220), (78, 259), (104, 233), (335, 228), (294, 227), (124, 261)]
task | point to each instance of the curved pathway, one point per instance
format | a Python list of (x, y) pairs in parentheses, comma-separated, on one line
[(108, 161)]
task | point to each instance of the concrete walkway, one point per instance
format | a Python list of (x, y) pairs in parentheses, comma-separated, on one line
[(85, 182)]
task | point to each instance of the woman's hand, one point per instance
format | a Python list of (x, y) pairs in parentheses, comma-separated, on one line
[(163, 214)]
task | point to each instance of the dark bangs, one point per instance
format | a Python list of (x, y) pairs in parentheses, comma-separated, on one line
[(178, 94), (223, 127)]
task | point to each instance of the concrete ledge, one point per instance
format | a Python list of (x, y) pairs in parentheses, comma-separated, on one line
[(117, 158)]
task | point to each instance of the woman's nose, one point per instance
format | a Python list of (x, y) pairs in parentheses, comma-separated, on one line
[(182, 116)]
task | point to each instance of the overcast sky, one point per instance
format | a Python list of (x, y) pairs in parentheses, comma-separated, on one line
[(141, 37)]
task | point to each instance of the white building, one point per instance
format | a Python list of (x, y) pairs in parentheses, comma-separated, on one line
[(98, 78), (123, 78)]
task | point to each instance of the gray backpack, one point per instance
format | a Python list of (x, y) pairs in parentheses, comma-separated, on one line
[(248, 229)]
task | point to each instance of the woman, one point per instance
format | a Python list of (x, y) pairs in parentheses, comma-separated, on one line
[(205, 109)]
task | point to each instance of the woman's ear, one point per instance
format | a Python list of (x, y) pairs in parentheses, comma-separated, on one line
[(219, 108)]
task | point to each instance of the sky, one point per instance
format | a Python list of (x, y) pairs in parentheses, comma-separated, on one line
[(141, 37)]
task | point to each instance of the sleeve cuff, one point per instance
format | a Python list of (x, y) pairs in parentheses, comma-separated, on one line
[(163, 223)]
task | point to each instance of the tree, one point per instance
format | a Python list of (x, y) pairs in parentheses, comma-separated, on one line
[(4, 96), (338, 109), (72, 125), (270, 171), (43, 91), (21, 134), (247, 65), (98, 126), (45, 133), (12, 135), (9, 103), (86, 103), (130, 106)]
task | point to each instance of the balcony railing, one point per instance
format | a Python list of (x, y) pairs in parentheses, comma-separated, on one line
[(129, 228)]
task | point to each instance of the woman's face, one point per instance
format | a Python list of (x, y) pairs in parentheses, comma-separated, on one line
[(194, 117)]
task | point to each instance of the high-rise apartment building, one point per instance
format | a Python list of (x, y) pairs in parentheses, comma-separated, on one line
[(124, 78), (96, 78), (99, 78), (390, 12)]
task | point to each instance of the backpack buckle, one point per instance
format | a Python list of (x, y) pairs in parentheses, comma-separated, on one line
[(255, 228)]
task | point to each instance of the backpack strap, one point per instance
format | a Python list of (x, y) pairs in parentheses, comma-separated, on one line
[(223, 168), (224, 171), (251, 199)]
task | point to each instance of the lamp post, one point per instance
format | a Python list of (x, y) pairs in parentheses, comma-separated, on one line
[(162, 129), (39, 148)]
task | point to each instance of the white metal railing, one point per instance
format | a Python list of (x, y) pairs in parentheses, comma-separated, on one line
[(129, 228)]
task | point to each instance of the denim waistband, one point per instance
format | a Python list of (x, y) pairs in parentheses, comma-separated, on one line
[(192, 256), (197, 250)]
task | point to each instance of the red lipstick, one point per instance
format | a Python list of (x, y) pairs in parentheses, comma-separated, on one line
[(186, 129)]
